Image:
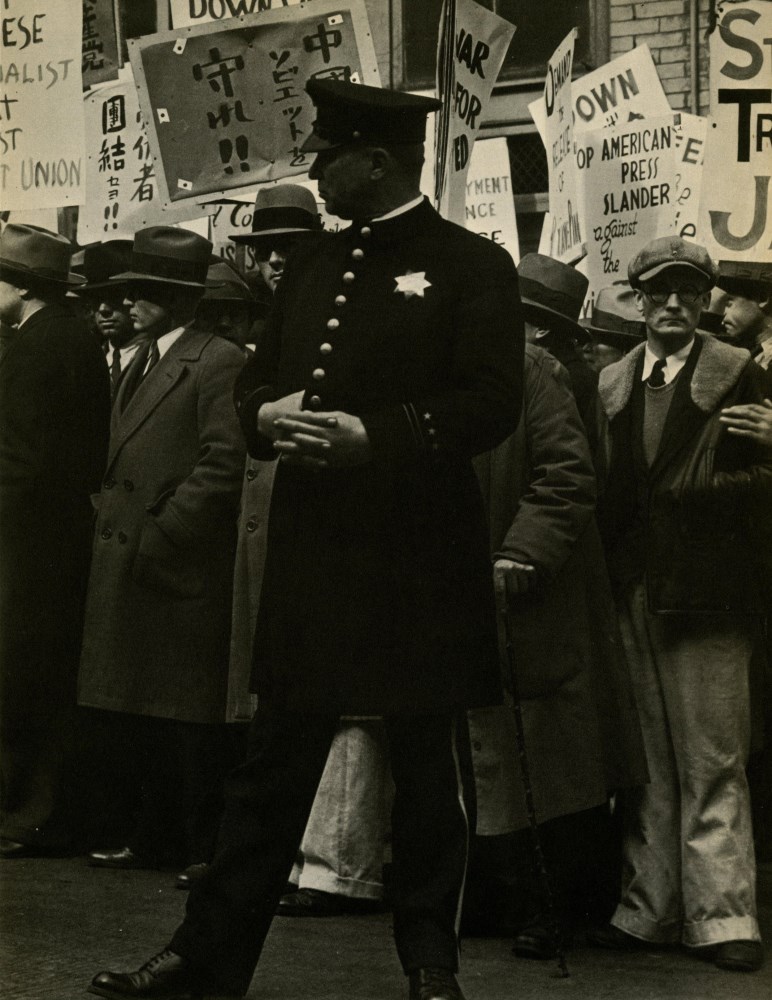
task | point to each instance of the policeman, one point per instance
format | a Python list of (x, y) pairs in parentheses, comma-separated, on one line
[(393, 354)]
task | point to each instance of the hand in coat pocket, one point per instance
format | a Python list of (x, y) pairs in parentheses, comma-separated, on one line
[(162, 566)]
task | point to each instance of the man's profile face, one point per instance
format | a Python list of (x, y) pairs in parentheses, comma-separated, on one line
[(742, 317), (271, 254), (671, 302), (150, 304), (10, 303), (343, 175), (111, 316)]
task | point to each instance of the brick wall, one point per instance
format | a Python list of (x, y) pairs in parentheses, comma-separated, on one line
[(664, 26)]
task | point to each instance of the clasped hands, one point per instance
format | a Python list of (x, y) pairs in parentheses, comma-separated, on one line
[(317, 440)]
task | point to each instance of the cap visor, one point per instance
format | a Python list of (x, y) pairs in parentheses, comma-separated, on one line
[(669, 265), (315, 144)]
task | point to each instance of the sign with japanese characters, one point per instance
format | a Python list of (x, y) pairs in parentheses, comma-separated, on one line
[(629, 180), (232, 93), (490, 207), (565, 231), (480, 42), (41, 108), (101, 51), (186, 13), (620, 91), (735, 212), (121, 182)]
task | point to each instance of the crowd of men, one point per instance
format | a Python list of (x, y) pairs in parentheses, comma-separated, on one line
[(292, 573)]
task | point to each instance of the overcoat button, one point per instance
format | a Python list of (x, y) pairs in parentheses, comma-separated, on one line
[(107, 533), (318, 374), (315, 402), (340, 300), (251, 474), (333, 324), (109, 483), (366, 231), (128, 485), (123, 537), (325, 349), (358, 254), (348, 277), (251, 524)]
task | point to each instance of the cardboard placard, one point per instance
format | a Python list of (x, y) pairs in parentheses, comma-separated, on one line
[(101, 49), (187, 13)]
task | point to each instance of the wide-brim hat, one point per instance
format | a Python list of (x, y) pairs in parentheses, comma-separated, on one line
[(615, 319), (223, 284), (552, 293), (352, 112), (168, 255), (99, 262), (31, 252), (670, 251), (283, 210)]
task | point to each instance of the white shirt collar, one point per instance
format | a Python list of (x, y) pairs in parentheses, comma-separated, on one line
[(401, 210), (166, 341), (673, 362)]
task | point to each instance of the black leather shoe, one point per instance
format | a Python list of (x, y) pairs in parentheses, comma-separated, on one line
[(166, 975), (537, 941), (124, 857), (316, 903), (15, 849), (434, 984), (193, 873), (614, 939), (739, 956)]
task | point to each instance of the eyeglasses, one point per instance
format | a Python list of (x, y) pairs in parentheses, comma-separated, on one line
[(688, 294)]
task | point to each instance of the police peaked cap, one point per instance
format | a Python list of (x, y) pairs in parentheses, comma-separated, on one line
[(353, 112)]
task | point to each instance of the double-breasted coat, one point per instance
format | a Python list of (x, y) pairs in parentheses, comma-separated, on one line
[(54, 423), (582, 731), (158, 610), (377, 593)]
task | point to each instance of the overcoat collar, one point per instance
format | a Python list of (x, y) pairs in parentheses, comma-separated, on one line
[(167, 373), (48, 312), (394, 230)]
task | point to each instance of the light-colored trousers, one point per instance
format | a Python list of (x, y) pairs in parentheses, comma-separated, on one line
[(689, 868), (343, 846)]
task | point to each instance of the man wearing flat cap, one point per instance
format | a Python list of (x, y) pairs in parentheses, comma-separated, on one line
[(682, 509), (155, 641), (54, 418), (382, 371)]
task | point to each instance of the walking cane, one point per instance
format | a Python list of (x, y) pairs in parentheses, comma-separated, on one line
[(552, 918)]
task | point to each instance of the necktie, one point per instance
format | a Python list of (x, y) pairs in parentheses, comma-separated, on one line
[(656, 377), (145, 358), (153, 357), (115, 369)]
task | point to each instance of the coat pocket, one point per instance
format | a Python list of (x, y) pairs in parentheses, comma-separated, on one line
[(166, 568)]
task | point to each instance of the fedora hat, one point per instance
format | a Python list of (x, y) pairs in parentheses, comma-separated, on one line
[(615, 318), (32, 252), (552, 293), (169, 255), (282, 210), (224, 284), (99, 262)]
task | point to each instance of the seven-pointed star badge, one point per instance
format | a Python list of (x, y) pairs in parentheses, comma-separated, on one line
[(412, 283)]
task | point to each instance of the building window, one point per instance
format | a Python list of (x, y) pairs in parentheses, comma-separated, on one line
[(541, 26)]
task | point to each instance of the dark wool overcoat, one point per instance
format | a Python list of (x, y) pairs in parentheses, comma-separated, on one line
[(159, 601), (377, 595), (582, 732), (54, 425)]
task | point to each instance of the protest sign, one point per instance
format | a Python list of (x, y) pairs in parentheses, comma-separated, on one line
[(480, 42), (121, 183), (233, 92), (735, 216), (564, 232), (628, 177), (620, 91), (490, 207), (186, 13), (41, 108), (101, 51), (689, 151)]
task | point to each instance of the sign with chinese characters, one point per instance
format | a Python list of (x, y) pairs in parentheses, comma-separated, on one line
[(41, 107), (735, 212), (620, 91), (564, 234), (480, 42), (187, 13), (233, 94), (121, 183), (101, 51), (629, 180), (689, 151), (490, 207)]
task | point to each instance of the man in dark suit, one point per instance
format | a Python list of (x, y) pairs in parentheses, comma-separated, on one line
[(393, 354), (54, 418), (155, 641)]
